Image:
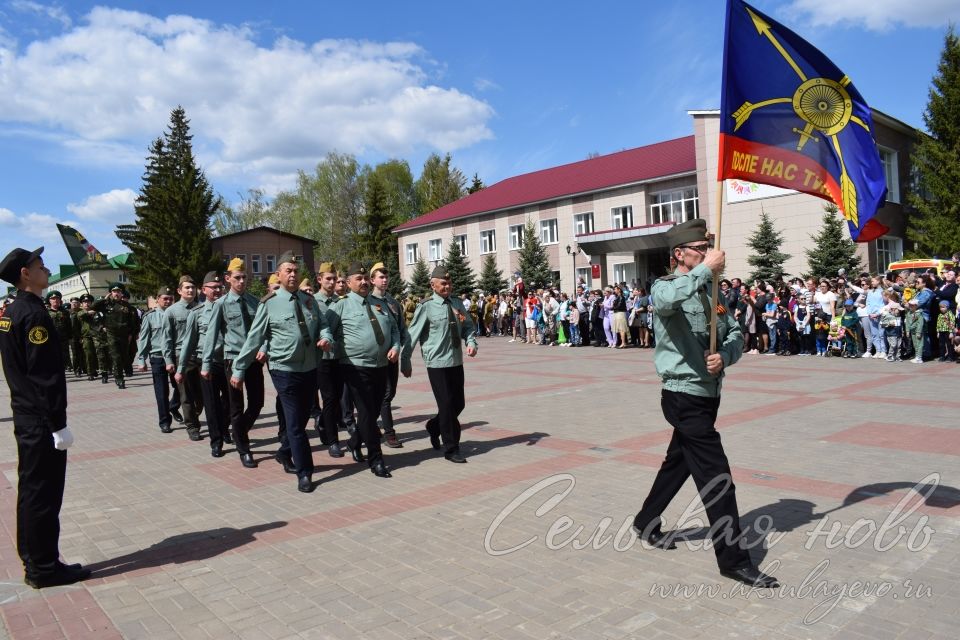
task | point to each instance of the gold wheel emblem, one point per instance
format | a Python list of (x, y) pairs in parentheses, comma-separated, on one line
[(823, 103), (38, 335)]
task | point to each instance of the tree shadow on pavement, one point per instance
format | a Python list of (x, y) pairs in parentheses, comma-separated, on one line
[(182, 548)]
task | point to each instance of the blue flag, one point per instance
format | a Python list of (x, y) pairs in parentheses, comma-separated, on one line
[(790, 118)]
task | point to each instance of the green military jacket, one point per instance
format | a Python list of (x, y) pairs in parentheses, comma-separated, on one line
[(356, 334), (90, 322), (118, 316), (63, 322), (150, 339), (226, 332), (396, 310), (333, 322), (681, 306), (439, 337), (174, 325), (277, 325), (195, 332)]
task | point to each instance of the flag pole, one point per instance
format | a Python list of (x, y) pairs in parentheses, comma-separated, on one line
[(715, 290)]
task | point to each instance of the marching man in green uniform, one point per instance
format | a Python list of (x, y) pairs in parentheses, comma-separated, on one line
[(76, 341), (230, 321), (690, 399), (89, 329), (290, 323), (213, 385), (440, 324), (150, 352), (119, 326), (329, 379), (63, 322), (175, 324), (380, 281), (369, 340)]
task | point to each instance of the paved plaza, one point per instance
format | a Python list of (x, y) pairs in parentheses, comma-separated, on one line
[(530, 538)]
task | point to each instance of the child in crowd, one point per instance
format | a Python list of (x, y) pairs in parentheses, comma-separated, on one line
[(821, 328), (573, 316), (914, 326), (946, 327), (804, 330), (850, 321), (890, 321), (784, 326)]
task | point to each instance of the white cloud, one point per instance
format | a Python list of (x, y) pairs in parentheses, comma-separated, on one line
[(114, 206), (485, 84), (115, 78), (878, 15), (53, 12)]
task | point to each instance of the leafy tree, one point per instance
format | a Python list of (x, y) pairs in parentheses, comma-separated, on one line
[(476, 185), (767, 259), (257, 287), (420, 279), (462, 277), (375, 239), (934, 223), (253, 211), (397, 180), (830, 249), (439, 183), (491, 278), (171, 235), (534, 262)]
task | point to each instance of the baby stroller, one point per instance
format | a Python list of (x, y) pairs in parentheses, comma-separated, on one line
[(835, 336)]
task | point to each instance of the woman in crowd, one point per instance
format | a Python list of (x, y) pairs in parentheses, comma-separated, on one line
[(619, 325)]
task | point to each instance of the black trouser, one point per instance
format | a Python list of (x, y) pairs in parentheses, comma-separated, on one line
[(584, 326), (447, 385), (346, 405), (191, 396), (215, 403), (386, 412), (295, 390), (241, 420), (41, 470), (162, 381), (330, 383), (599, 337), (696, 450), (367, 386)]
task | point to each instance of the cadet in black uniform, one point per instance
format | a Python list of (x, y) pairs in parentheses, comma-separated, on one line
[(33, 368)]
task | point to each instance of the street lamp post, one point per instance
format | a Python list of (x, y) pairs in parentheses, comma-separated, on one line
[(574, 253)]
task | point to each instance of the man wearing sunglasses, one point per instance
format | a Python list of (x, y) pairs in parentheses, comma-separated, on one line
[(690, 399)]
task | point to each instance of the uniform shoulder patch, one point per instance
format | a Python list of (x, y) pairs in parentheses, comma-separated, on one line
[(38, 335), (5, 324), (268, 296)]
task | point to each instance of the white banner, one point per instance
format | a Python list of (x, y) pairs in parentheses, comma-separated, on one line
[(741, 191)]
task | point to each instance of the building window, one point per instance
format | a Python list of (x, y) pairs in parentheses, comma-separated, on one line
[(624, 272), (271, 264), (889, 250), (674, 206), (890, 172), (121, 277), (488, 241), (621, 217), (255, 263), (435, 250), (548, 231), (413, 253), (585, 276), (462, 241), (582, 223), (516, 237)]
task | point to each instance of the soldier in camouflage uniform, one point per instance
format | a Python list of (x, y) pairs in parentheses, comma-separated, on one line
[(119, 327), (62, 323), (88, 328), (77, 357)]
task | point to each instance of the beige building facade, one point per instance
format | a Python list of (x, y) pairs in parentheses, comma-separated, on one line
[(261, 247)]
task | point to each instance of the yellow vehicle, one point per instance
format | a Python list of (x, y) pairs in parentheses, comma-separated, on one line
[(921, 265)]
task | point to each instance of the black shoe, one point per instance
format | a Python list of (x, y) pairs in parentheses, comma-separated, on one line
[(104, 378), (248, 461), (656, 538), (177, 416), (455, 457), (165, 428), (305, 484), (227, 438), (356, 454), (392, 441), (195, 436), (121, 384), (62, 574), (335, 451), (752, 577), (380, 470), (287, 464), (92, 377), (434, 436), (216, 452)]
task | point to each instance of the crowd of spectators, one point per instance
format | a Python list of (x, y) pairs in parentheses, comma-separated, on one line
[(893, 316)]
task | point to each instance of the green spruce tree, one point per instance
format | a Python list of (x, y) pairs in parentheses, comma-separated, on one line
[(831, 250), (475, 185), (375, 239), (534, 262), (491, 278), (934, 223), (420, 279), (396, 287), (766, 258), (462, 277), (173, 214)]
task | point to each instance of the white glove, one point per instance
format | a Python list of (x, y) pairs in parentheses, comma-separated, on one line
[(62, 439)]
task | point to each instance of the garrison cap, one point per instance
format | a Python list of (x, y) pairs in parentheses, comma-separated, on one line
[(440, 272), (86, 298), (273, 279), (326, 267), (54, 294), (164, 291), (186, 279), (377, 267), (16, 260), (287, 257), (305, 283), (357, 269), (212, 276), (687, 232), (236, 265)]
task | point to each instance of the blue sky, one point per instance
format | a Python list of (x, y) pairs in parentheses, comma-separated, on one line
[(270, 88)]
